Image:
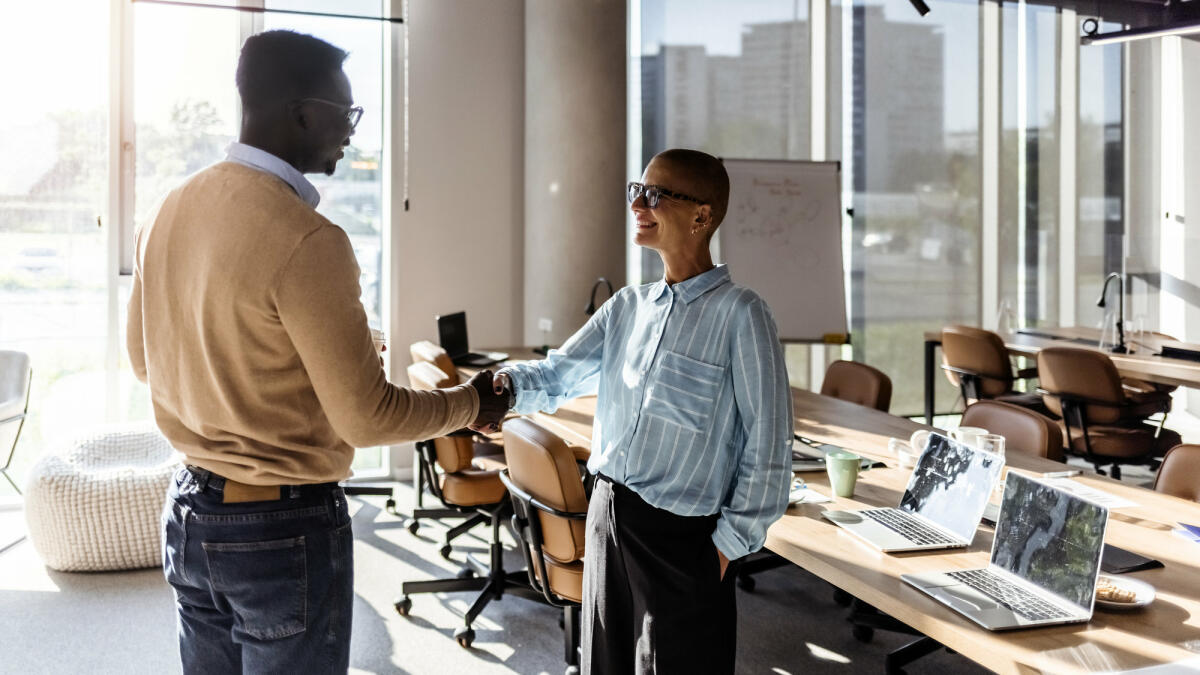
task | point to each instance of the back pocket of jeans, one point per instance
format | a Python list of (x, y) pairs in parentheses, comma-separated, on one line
[(265, 582)]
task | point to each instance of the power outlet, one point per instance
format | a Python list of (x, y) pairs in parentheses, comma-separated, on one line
[(545, 325)]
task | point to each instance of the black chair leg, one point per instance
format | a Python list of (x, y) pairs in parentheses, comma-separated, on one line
[(571, 637)]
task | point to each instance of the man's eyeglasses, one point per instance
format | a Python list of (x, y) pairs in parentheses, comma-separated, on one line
[(653, 193), (353, 112)]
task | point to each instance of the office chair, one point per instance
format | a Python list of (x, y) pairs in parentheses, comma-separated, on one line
[(977, 362), (477, 494), (16, 382), (1104, 424), (549, 510), (848, 381), (487, 454), (1024, 430), (1179, 473)]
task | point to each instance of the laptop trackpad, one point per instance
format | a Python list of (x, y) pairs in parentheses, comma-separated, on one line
[(966, 599)]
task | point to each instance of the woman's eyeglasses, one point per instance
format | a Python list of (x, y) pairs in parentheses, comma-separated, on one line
[(353, 112), (653, 193)]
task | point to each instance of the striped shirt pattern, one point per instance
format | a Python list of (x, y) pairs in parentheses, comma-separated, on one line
[(694, 411)]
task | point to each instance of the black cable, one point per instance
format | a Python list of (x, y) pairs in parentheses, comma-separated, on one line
[(591, 306)]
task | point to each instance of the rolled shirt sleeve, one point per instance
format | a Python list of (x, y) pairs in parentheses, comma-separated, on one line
[(758, 497)]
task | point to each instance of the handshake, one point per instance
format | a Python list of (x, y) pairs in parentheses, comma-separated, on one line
[(496, 398)]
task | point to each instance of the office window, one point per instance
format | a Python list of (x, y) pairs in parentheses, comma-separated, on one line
[(53, 187), (731, 79), (1100, 178), (910, 147), (1029, 163)]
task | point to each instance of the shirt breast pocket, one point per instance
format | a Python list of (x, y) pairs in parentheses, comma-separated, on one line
[(685, 390)]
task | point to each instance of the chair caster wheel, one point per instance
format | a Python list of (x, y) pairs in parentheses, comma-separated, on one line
[(863, 633), (572, 670), (390, 505), (464, 637), (842, 597), (414, 526), (445, 551), (746, 583), (465, 573), (403, 606)]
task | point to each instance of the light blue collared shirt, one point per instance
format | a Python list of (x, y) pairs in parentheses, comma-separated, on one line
[(694, 411), (248, 155)]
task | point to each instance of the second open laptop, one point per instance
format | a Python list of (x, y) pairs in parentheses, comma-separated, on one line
[(941, 507), (1044, 564)]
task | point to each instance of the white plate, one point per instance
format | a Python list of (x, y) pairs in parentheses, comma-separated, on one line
[(1144, 594)]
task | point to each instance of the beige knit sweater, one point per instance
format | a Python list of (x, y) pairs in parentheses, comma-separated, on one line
[(245, 321)]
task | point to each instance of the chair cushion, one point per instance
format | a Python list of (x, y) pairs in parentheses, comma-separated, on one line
[(1024, 430), (490, 462), (858, 383), (581, 454), (473, 487), (1125, 441), (566, 579), (543, 465)]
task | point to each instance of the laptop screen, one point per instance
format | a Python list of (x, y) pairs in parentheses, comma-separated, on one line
[(452, 333), (950, 485), (1050, 538)]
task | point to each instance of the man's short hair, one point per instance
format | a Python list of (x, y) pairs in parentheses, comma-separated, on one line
[(282, 65), (707, 177)]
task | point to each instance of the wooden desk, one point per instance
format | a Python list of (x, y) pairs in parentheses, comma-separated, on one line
[(1167, 631), (1142, 365)]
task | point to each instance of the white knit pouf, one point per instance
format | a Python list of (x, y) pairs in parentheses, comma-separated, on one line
[(99, 506)]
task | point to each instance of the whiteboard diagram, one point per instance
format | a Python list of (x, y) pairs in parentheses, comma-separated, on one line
[(782, 237)]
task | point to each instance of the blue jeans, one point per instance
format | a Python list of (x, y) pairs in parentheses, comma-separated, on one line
[(260, 587)]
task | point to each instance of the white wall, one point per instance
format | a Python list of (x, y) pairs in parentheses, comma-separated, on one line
[(1190, 54), (460, 246)]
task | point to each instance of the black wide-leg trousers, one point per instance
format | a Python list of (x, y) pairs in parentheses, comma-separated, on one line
[(653, 599)]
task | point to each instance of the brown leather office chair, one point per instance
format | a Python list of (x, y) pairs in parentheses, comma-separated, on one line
[(478, 494), (858, 383), (977, 362), (549, 510), (487, 453), (1024, 430), (1179, 474), (1103, 422)]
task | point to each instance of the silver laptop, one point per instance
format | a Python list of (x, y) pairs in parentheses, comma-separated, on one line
[(1045, 560), (942, 506)]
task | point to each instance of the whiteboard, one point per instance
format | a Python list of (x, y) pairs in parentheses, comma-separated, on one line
[(782, 238)]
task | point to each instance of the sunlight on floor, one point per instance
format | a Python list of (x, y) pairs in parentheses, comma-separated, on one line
[(824, 654)]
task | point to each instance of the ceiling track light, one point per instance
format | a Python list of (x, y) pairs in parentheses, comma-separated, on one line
[(920, 6)]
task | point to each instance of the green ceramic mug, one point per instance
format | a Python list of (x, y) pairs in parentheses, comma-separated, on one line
[(843, 470)]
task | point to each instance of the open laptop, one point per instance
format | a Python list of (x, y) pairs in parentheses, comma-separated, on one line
[(1045, 560), (452, 335), (941, 507)]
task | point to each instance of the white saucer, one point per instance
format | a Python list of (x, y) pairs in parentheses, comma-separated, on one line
[(1144, 594)]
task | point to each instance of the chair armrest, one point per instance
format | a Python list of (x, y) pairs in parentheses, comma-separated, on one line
[(532, 501), (1027, 373), (962, 371)]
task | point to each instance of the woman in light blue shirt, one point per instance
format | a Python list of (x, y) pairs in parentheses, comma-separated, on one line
[(692, 436)]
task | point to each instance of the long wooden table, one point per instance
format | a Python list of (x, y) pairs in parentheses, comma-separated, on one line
[(1142, 364), (1166, 632)]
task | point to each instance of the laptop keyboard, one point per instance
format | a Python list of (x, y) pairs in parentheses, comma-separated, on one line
[(1009, 594), (907, 526)]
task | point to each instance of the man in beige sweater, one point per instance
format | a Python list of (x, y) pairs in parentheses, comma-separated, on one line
[(245, 321)]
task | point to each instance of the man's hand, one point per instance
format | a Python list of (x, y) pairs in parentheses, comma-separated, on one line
[(492, 406), (724, 563)]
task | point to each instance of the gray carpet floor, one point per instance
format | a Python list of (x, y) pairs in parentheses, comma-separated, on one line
[(123, 622)]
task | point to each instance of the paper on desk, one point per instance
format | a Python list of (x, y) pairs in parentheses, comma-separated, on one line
[(802, 494), (1190, 665), (1105, 499)]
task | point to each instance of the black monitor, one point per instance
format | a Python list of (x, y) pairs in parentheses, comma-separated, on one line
[(452, 333)]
